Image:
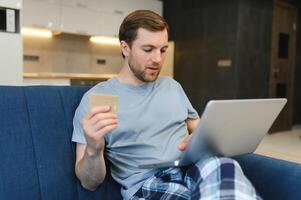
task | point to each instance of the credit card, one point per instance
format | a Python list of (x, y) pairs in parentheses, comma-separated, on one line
[(104, 100)]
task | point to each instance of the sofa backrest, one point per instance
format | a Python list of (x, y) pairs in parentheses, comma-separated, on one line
[(36, 152)]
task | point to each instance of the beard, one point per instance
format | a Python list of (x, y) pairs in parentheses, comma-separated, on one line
[(142, 74)]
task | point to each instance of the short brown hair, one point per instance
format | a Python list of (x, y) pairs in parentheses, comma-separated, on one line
[(146, 19)]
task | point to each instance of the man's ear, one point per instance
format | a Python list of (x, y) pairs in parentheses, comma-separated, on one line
[(124, 48)]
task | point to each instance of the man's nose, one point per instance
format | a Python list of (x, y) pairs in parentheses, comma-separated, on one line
[(157, 57)]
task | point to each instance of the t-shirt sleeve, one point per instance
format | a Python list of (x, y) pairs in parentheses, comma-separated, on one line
[(78, 132), (192, 113)]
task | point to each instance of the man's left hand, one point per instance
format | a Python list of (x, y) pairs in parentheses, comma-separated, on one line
[(185, 142)]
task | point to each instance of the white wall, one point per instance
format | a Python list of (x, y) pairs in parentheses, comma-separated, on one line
[(11, 51), (11, 62)]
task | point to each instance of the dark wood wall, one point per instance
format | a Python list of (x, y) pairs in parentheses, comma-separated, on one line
[(206, 31), (297, 79), (253, 48)]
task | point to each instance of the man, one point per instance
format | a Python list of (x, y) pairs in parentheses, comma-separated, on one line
[(153, 123)]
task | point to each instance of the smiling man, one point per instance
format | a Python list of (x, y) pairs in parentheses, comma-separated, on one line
[(153, 123)]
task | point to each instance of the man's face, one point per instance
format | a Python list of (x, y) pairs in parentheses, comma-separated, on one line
[(147, 54)]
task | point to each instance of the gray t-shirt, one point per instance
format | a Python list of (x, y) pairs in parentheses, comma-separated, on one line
[(151, 126)]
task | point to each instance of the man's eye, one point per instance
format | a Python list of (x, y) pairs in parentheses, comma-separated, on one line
[(163, 50), (147, 50)]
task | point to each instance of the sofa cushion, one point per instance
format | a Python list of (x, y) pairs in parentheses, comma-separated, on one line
[(273, 178), (52, 143), (18, 169), (37, 155)]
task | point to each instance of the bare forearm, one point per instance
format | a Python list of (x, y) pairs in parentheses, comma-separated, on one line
[(90, 164), (91, 169)]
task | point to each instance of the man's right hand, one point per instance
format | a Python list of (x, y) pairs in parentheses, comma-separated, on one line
[(96, 124)]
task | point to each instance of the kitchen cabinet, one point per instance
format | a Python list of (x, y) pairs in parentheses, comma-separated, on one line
[(83, 4), (80, 21), (114, 11), (41, 14), (126, 6), (16, 4), (85, 17), (153, 5), (110, 23)]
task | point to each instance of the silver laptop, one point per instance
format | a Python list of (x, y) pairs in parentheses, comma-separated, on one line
[(228, 128)]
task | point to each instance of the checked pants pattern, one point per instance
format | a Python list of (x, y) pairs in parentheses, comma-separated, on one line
[(209, 179)]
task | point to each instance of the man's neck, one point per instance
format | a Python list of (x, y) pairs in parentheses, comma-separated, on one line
[(127, 76)]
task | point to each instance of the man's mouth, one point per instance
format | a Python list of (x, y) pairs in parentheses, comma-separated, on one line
[(153, 69)]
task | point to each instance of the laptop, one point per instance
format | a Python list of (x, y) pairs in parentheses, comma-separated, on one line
[(228, 128)]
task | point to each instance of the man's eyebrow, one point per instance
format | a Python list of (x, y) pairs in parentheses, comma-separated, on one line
[(152, 46), (148, 45)]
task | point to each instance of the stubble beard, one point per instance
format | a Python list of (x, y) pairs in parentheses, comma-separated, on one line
[(142, 75)]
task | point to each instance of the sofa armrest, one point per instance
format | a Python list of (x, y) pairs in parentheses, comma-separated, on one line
[(273, 178)]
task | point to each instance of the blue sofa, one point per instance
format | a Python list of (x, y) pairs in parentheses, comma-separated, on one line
[(37, 155)]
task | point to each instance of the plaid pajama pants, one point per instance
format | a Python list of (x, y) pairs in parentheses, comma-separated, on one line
[(211, 178)]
